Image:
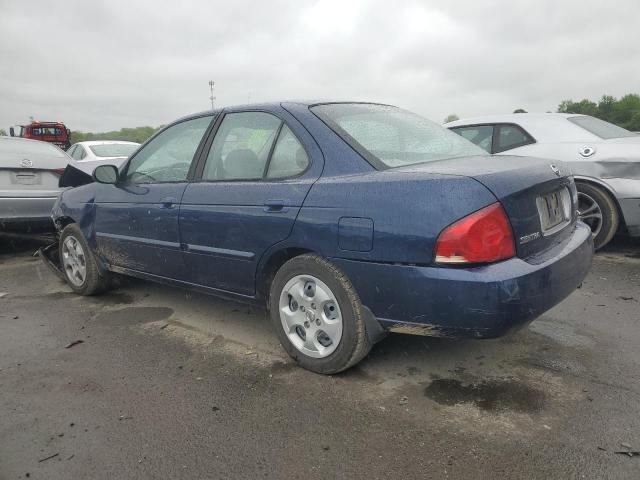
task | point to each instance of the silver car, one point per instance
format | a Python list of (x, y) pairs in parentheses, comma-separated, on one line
[(29, 175), (604, 158)]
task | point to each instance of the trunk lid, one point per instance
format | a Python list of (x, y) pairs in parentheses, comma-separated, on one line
[(538, 195), (30, 168)]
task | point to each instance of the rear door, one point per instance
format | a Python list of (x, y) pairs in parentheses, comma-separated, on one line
[(253, 178), (137, 219)]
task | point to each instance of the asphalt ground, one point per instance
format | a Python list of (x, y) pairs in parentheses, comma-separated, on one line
[(172, 384)]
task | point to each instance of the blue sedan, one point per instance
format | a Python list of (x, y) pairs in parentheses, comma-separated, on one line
[(347, 220)]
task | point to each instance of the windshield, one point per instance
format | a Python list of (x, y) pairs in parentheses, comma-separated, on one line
[(600, 128), (391, 137), (114, 149), (43, 130)]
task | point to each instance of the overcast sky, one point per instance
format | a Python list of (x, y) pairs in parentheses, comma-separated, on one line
[(105, 65)]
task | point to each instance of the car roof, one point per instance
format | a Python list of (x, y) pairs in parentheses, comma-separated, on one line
[(512, 118), (274, 105), (546, 127)]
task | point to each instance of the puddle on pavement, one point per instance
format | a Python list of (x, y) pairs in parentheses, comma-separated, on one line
[(489, 395), (135, 315), (112, 298), (561, 333), (60, 294)]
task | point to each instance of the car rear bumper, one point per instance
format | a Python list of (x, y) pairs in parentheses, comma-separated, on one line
[(627, 192), (631, 212), (482, 302), (19, 213)]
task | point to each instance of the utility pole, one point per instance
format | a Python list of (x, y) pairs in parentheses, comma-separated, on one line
[(212, 97)]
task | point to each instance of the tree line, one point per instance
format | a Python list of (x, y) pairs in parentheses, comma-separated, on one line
[(137, 134), (624, 112)]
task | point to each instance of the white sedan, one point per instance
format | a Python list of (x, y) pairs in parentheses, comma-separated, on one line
[(115, 151), (604, 158)]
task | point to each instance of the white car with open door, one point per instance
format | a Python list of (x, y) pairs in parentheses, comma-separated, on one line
[(113, 152)]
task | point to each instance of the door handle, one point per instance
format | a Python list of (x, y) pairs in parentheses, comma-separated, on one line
[(275, 206), (168, 202)]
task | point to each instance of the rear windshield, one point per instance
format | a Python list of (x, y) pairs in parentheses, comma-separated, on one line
[(391, 137), (10, 147), (601, 128), (113, 149)]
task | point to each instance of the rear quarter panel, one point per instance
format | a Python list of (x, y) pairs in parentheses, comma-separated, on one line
[(384, 216)]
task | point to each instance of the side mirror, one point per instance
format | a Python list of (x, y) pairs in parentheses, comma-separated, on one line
[(106, 174), (12, 132)]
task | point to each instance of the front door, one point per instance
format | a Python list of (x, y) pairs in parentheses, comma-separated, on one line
[(252, 184), (137, 218)]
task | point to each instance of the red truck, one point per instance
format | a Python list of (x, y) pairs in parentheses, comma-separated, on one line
[(52, 132)]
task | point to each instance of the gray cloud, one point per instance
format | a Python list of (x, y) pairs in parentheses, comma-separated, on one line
[(105, 65)]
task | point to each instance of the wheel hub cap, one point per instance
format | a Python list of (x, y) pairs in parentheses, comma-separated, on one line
[(311, 316)]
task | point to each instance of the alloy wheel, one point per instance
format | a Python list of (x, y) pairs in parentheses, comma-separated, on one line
[(74, 260), (590, 213)]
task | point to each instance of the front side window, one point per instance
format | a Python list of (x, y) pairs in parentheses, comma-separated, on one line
[(600, 128), (481, 135), (168, 156), (511, 136), (241, 147), (391, 137)]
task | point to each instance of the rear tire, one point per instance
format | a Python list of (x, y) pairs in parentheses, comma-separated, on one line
[(318, 316), (598, 210), (79, 264)]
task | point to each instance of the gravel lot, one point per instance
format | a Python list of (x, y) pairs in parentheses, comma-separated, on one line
[(172, 384)]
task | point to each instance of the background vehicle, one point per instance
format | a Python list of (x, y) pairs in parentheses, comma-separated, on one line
[(52, 132), (29, 174), (114, 152), (347, 220), (604, 158)]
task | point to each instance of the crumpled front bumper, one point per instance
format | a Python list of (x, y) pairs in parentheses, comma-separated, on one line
[(50, 256)]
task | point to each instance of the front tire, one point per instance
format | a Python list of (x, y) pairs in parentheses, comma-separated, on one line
[(79, 263), (597, 209), (318, 316)]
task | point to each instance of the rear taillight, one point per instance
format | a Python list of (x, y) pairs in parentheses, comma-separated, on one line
[(58, 171), (482, 237)]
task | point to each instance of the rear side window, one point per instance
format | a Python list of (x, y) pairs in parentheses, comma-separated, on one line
[(510, 136), (289, 158), (481, 135), (241, 147)]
